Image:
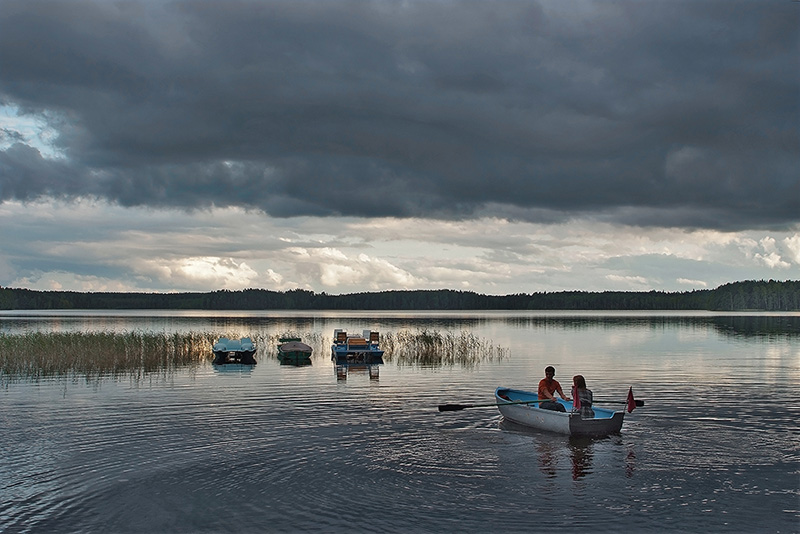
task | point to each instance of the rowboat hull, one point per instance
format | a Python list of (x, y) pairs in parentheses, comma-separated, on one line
[(605, 421)]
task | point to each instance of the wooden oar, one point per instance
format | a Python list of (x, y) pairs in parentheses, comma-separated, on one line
[(457, 407), (638, 402), (603, 401)]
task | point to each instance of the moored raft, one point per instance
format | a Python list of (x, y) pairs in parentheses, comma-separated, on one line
[(356, 349)]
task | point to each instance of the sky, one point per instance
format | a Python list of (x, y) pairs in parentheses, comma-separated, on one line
[(343, 146)]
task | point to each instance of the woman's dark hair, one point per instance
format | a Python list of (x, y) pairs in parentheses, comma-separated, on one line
[(579, 381), (550, 369)]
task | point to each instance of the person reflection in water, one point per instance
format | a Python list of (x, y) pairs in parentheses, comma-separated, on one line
[(548, 387), (548, 458), (581, 455)]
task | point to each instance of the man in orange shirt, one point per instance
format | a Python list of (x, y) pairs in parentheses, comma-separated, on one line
[(548, 386)]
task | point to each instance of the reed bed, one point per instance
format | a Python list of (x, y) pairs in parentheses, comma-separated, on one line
[(313, 339), (92, 355), (423, 347), (37, 355), (434, 348)]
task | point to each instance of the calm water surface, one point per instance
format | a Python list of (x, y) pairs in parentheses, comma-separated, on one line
[(274, 448)]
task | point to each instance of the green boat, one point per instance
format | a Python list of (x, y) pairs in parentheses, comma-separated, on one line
[(292, 351)]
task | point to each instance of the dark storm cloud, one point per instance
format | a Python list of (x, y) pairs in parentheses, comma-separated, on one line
[(667, 112)]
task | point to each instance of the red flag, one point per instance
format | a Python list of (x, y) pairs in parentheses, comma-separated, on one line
[(631, 401), (576, 400)]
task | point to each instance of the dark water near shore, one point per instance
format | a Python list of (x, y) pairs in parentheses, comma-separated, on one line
[(275, 448)]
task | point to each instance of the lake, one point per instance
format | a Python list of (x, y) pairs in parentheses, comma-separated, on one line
[(276, 448)]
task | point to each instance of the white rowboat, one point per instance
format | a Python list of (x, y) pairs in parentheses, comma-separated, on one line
[(522, 407)]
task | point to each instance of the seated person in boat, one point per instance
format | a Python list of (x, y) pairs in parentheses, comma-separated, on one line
[(548, 387), (582, 396)]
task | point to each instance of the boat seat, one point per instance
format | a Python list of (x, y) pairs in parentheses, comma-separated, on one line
[(357, 342)]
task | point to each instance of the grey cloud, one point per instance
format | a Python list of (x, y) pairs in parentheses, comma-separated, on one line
[(686, 111)]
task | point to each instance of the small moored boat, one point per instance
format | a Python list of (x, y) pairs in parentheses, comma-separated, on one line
[(241, 351), (292, 351), (522, 407), (356, 349)]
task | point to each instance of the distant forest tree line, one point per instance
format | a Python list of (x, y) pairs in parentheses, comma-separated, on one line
[(748, 295)]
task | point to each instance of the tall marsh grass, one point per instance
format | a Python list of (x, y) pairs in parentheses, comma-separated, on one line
[(36, 355), (317, 340), (434, 348), (92, 355), (405, 347)]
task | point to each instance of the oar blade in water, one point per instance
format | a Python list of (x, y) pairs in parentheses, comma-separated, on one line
[(453, 407)]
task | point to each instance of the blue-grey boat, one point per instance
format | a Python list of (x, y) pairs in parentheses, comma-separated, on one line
[(360, 349), (241, 351)]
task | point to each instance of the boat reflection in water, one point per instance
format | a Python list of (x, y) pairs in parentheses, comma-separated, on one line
[(295, 363), (344, 369), (233, 368)]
